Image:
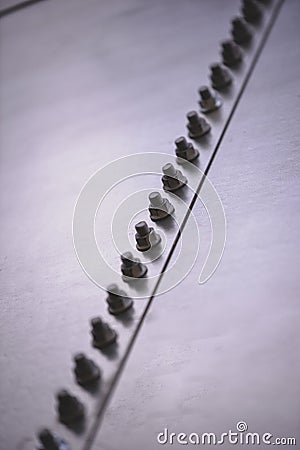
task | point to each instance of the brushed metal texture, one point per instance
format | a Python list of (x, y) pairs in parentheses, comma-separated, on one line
[(83, 83), (211, 355)]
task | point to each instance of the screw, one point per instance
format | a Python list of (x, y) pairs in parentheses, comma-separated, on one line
[(185, 149), (86, 371), (142, 236), (51, 441), (251, 11), (240, 31), (208, 101), (70, 409), (172, 179), (103, 334), (132, 267), (197, 125), (159, 207), (146, 237), (118, 301), (220, 76), (231, 53)]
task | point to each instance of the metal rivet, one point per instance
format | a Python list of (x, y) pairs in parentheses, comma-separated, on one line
[(159, 208), (197, 125), (51, 441), (146, 237), (220, 76), (185, 149), (103, 334), (240, 31), (208, 101), (172, 179), (231, 53), (70, 409), (117, 300), (132, 267), (251, 11), (86, 371)]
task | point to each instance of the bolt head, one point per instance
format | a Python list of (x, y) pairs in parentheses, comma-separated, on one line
[(46, 438), (97, 323), (156, 199), (63, 395), (169, 170), (79, 358), (216, 68), (205, 93), (142, 228), (113, 289), (193, 117), (181, 143), (127, 258)]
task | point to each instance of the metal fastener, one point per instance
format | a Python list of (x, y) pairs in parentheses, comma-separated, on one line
[(208, 101), (69, 408), (146, 237), (197, 125), (86, 371), (132, 267), (185, 149), (117, 300), (159, 207), (240, 31), (51, 441), (231, 53), (172, 179), (220, 76), (251, 11), (103, 334)]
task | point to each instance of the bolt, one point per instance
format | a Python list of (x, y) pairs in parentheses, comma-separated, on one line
[(156, 199), (208, 101), (231, 53), (185, 149), (220, 76), (146, 237), (51, 441), (251, 11), (142, 236), (132, 267), (240, 31), (70, 409), (172, 179), (117, 300), (197, 125), (86, 371), (103, 334), (159, 207), (142, 229)]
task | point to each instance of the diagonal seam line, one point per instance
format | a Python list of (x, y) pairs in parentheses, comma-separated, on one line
[(17, 7), (93, 431)]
